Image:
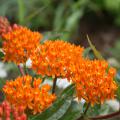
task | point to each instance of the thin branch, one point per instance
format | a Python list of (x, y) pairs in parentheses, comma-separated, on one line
[(105, 116), (54, 85)]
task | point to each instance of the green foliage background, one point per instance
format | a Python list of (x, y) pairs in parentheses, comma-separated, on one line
[(61, 19)]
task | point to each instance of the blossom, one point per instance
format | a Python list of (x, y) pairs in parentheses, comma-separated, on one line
[(19, 43), (29, 94), (6, 111), (4, 25), (94, 81), (53, 58)]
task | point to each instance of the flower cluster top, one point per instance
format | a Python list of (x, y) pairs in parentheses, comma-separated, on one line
[(93, 79), (19, 43), (54, 58), (22, 92)]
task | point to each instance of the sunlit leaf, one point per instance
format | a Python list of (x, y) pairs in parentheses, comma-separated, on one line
[(86, 52), (1, 55), (58, 109), (96, 52), (118, 92), (74, 111)]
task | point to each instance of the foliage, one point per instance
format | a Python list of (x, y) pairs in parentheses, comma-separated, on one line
[(59, 59), (35, 13), (115, 50)]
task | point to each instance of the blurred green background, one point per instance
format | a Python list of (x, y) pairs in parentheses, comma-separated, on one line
[(70, 20)]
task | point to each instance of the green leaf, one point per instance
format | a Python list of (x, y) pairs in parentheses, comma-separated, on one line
[(74, 111), (86, 52), (112, 6), (99, 109), (58, 109), (68, 90), (1, 54), (73, 19), (71, 23), (118, 92), (2, 83), (118, 76), (96, 52), (35, 13), (61, 111), (54, 35), (21, 11), (58, 19)]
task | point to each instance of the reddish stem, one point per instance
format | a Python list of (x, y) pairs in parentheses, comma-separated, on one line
[(105, 116), (21, 70)]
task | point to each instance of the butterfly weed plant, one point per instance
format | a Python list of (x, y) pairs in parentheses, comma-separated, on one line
[(32, 99)]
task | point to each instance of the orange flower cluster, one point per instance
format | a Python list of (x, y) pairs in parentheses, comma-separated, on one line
[(7, 111), (29, 94), (4, 26), (53, 58), (19, 43), (94, 81)]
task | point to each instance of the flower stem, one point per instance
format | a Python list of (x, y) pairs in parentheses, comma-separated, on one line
[(108, 116), (88, 105), (21, 70), (25, 68), (82, 117), (54, 85)]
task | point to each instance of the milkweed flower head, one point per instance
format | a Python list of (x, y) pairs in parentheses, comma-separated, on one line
[(53, 58), (29, 94), (94, 81), (4, 25), (19, 43), (6, 111)]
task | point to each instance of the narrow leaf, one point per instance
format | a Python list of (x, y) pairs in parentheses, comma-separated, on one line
[(96, 52), (58, 109), (74, 111), (61, 111), (86, 52), (69, 90)]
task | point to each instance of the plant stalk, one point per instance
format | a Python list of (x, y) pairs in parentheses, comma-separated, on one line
[(25, 69), (108, 116), (54, 85), (21, 70)]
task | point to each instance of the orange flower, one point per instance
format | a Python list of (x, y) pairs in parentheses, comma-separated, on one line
[(4, 25), (7, 111), (53, 58), (30, 95), (94, 81), (19, 43)]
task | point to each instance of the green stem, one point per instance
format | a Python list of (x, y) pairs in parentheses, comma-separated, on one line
[(54, 85), (25, 68), (21, 11), (85, 112)]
